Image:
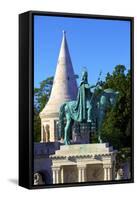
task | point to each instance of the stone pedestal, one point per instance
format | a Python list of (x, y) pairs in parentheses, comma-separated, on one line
[(83, 163), (81, 133)]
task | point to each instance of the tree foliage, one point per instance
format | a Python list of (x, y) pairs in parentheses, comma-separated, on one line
[(116, 128), (41, 96)]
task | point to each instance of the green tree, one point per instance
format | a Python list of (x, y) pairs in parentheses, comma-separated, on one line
[(37, 126), (116, 128), (41, 96)]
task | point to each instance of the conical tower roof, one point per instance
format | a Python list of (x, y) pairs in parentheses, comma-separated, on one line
[(64, 85)]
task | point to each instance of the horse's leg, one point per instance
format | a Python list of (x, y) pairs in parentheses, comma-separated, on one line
[(89, 118), (70, 128), (99, 138), (99, 131), (67, 129)]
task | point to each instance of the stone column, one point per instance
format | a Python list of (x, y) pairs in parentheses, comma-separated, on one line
[(107, 172), (56, 175), (81, 173), (62, 175), (113, 170), (52, 131), (47, 132)]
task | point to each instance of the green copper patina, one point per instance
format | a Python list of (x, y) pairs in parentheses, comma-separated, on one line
[(83, 107), (87, 108), (105, 100)]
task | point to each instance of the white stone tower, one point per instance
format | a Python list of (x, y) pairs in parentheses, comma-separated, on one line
[(64, 89)]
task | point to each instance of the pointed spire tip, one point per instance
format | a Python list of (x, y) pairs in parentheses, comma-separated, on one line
[(64, 32)]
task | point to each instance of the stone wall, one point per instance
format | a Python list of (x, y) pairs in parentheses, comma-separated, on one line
[(42, 162)]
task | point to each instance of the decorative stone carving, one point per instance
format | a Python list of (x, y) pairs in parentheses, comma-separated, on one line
[(38, 179)]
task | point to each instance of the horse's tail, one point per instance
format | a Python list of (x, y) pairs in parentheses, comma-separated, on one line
[(61, 120)]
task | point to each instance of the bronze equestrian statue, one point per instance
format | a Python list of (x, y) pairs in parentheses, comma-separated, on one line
[(87, 108)]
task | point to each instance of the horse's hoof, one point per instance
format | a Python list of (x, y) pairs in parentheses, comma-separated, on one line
[(66, 142)]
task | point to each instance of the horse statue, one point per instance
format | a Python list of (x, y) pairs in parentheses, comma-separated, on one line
[(87, 108), (107, 99)]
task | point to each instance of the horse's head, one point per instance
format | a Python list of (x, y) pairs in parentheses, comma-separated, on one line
[(111, 95), (108, 97)]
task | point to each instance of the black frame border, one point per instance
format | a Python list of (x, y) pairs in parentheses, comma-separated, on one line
[(26, 92)]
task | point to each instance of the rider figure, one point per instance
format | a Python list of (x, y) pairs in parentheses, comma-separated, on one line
[(84, 99)]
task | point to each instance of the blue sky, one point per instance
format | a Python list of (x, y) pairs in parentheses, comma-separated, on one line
[(98, 45)]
